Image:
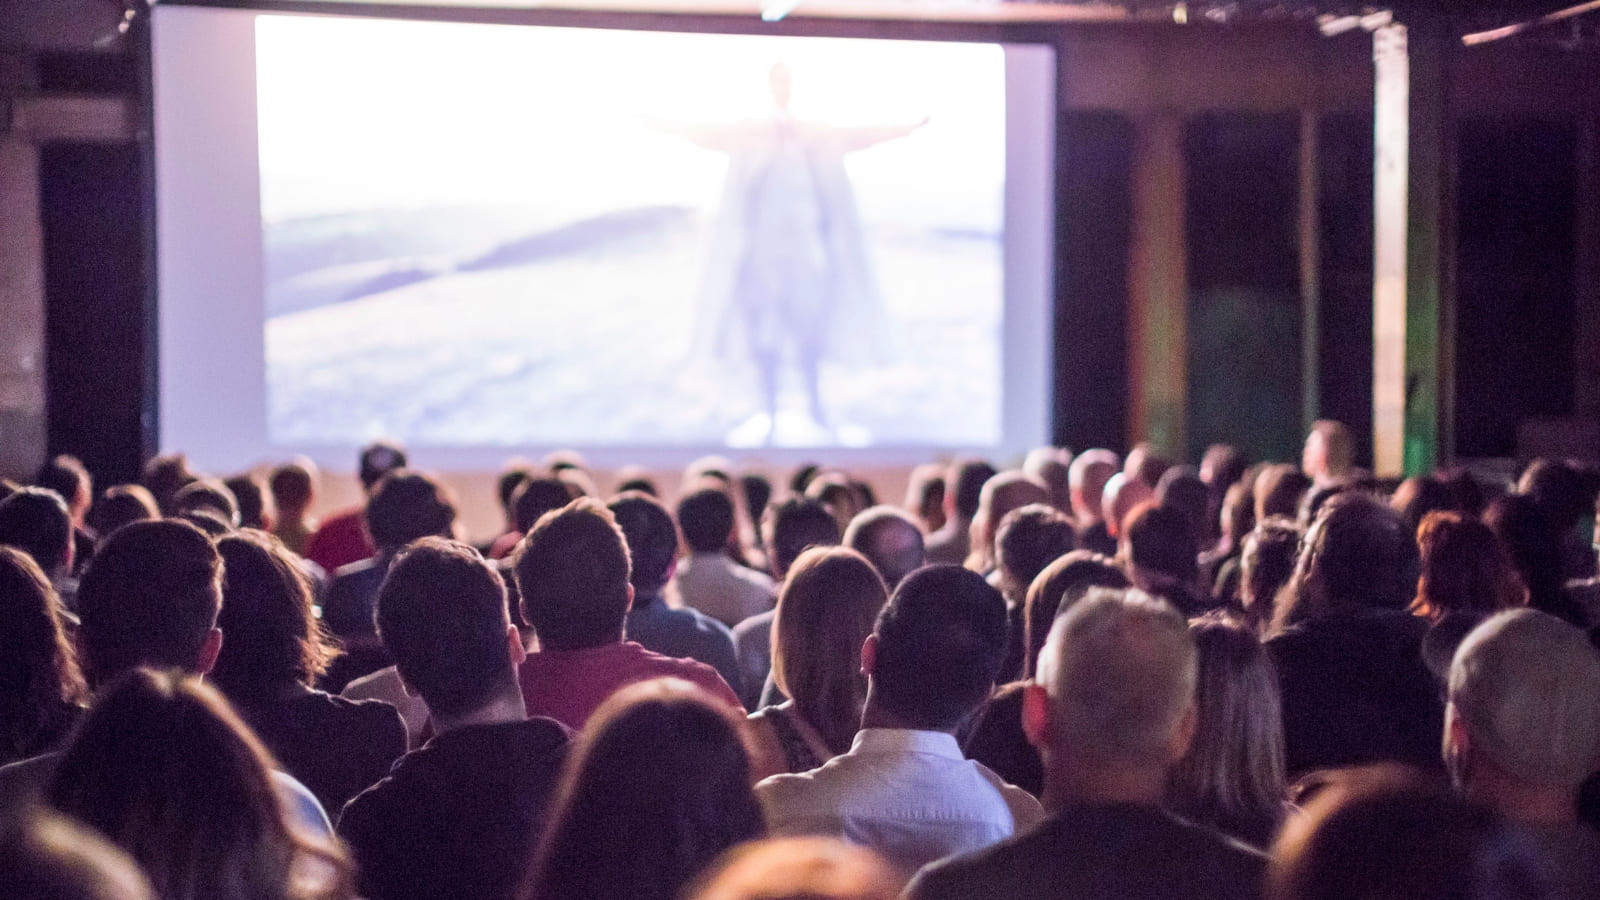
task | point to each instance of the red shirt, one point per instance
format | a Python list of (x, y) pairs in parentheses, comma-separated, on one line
[(341, 540), (568, 685)]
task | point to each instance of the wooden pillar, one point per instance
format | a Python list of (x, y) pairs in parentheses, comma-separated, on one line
[(1310, 271), (1391, 153), (22, 369), (1158, 286)]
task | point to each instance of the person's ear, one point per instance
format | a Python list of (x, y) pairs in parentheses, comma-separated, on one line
[(210, 649), (1183, 735), (869, 655), (514, 646), (1036, 714)]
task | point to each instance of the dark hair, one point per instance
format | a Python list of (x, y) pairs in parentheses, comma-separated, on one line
[(119, 505), (652, 540), (968, 477), (1359, 554), (150, 596), (442, 615), (251, 493), (1160, 539), (65, 474), (536, 496), (706, 517), (509, 479), (272, 638), (1028, 539), (1464, 569), (164, 476), (1054, 590), (1559, 489), (792, 526), (757, 492), (658, 787), (210, 495), (292, 485), (378, 459), (39, 677), (47, 856), (1464, 491), (1417, 496), (1528, 534), (639, 485), (36, 521), (164, 769), (889, 539), (573, 575), (1181, 489), (1266, 563), (827, 607), (941, 641), (1278, 489), (406, 505)]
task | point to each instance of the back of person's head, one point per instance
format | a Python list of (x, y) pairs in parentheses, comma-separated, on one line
[(38, 668), (165, 770), (119, 505), (1052, 465), (1122, 495), (66, 475), (1002, 494), (889, 539), (826, 610), (1222, 466), (164, 476), (210, 495), (442, 616), (966, 480), (794, 525), (1278, 490), (925, 495), (36, 520), (1526, 686), (1266, 563), (1119, 669), (1385, 832), (1463, 489), (378, 459), (1030, 538), (1527, 532), (272, 637), (652, 540), (1330, 450), (255, 502), (1181, 489), (405, 505), (1145, 464), (1054, 590), (293, 486), (1233, 775), (757, 490), (1358, 554), (1237, 516), (150, 596), (1318, 495), (47, 856), (1418, 496), (511, 477), (799, 868), (534, 497), (1560, 489), (1465, 569), (939, 645), (837, 492), (706, 517), (1159, 540), (658, 788), (573, 575), (1087, 477)]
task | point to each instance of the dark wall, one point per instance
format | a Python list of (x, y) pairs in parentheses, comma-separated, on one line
[(1344, 320)]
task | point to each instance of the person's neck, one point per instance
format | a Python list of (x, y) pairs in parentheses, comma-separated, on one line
[(873, 715), (506, 707), (644, 599), (1085, 785), (1523, 803)]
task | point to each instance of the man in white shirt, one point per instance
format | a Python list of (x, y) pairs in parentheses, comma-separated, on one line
[(904, 789), (709, 580)]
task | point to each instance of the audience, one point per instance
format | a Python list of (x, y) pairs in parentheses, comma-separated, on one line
[(657, 788), (963, 492), (790, 528), (294, 491), (1266, 563), (66, 475), (41, 688), (1466, 577), (456, 817), (342, 538), (890, 539), (256, 509), (1122, 495), (1053, 467), (120, 505), (1086, 480), (46, 856), (903, 788), (1329, 454), (1278, 490), (1527, 532), (533, 497), (708, 579), (1028, 540), (1000, 495), (1162, 557), (37, 522)]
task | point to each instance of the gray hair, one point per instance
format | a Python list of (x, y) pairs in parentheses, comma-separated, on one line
[(1527, 686), (1120, 669)]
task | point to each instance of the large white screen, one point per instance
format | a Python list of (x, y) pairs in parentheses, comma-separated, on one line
[(492, 238)]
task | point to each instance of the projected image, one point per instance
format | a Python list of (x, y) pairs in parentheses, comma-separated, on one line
[(495, 235)]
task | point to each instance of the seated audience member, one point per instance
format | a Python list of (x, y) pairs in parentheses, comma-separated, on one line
[(572, 573), (164, 476), (1219, 566), (1222, 467), (1162, 557), (1266, 563), (840, 494), (1052, 466), (1232, 778), (1522, 732), (657, 788), (342, 538), (1112, 713), (1527, 533), (904, 789), (1278, 490), (41, 688), (207, 495), (150, 597), (534, 497), (1418, 496), (455, 818), (1000, 495), (757, 493), (804, 868), (66, 475), (47, 856), (132, 773), (789, 529), (825, 612), (119, 505), (708, 579), (925, 496), (294, 491), (512, 475), (952, 543), (1181, 489), (272, 654), (1561, 490), (1463, 489), (1467, 576), (404, 505), (37, 522), (1329, 453), (1029, 538), (652, 551), (996, 738), (256, 509), (889, 539), (1145, 464), (1087, 479), (1122, 495), (1384, 832), (1348, 654)]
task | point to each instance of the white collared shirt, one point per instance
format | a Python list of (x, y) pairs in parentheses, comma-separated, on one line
[(724, 590), (909, 795)]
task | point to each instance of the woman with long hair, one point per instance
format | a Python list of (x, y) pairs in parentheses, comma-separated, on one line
[(1467, 576), (1232, 778), (273, 649), (41, 689), (658, 787), (825, 612), (164, 769)]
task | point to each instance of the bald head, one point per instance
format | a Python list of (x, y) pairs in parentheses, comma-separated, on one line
[(889, 539), (1122, 496)]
